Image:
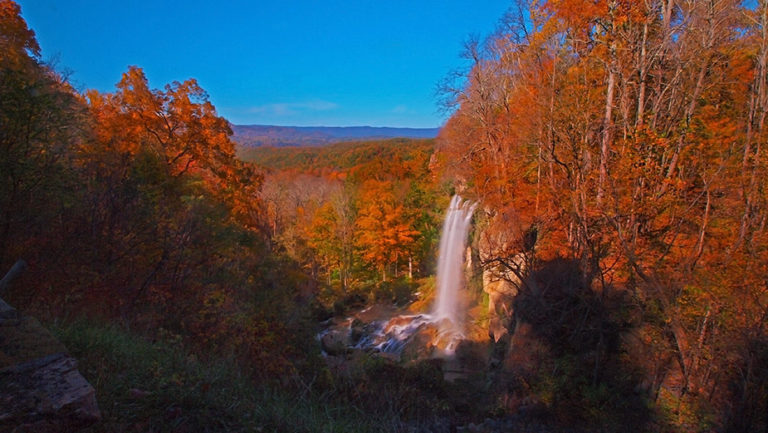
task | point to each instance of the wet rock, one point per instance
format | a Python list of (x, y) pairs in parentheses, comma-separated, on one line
[(421, 344), (405, 337), (336, 341), (356, 331)]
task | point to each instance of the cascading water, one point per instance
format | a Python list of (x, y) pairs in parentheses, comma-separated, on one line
[(444, 325), (450, 274)]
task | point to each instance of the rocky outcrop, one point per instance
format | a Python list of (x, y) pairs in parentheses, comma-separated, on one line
[(40, 387), (421, 344), (46, 387), (502, 280), (504, 249), (502, 286)]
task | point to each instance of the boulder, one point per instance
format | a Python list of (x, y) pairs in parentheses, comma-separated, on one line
[(40, 386), (44, 388), (336, 341), (356, 331)]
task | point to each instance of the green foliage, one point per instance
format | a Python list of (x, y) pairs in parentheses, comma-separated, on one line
[(421, 202), (400, 291), (146, 385)]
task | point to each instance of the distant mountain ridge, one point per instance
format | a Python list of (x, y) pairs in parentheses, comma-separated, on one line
[(280, 136)]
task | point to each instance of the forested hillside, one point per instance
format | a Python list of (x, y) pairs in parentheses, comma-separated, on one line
[(337, 156), (279, 136), (183, 279), (631, 137)]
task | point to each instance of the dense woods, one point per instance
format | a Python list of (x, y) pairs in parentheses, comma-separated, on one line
[(132, 206), (616, 150), (630, 135)]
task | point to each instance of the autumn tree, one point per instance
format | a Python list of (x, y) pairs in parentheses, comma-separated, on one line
[(384, 234), (165, 195)]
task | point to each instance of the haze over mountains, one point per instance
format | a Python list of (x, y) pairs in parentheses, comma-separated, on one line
[(280, 136)]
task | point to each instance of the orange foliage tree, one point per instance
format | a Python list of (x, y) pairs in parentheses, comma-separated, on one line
[(384, 232), (629, 133)]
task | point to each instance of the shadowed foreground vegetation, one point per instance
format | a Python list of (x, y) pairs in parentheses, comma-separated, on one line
[(159, 385)]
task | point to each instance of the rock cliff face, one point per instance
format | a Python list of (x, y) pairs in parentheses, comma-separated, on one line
[(502, 286), (41, 389), (504, 250)]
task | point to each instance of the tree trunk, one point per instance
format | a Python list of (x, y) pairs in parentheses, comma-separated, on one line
[(608, 119), (606, 139), (643, 72)]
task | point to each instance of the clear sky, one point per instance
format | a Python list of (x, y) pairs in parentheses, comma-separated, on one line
[(290, 62)]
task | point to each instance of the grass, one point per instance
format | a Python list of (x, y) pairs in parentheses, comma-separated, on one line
[(158, 386)]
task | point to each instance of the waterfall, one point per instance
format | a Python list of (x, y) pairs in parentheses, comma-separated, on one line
[(450, 269), (437, 333)]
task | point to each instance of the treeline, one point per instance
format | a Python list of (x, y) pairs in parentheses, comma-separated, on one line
[(631, 136), (342, 156), (362, 218), (131, 206)]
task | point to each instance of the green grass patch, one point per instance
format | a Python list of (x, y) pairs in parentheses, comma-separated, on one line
[(144, 385)]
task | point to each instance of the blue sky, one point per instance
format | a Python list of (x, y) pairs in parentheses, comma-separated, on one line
[(290, 62)]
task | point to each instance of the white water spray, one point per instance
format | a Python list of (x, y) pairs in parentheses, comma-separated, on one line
[(450, 274)]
